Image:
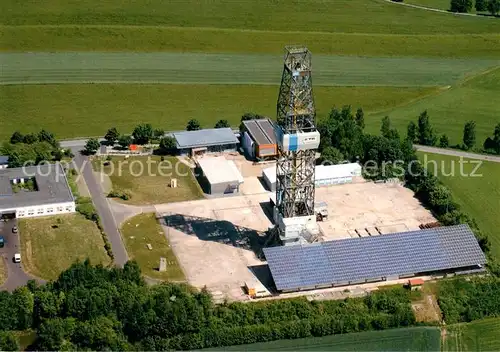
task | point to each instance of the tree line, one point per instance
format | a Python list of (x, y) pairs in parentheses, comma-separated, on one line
[(465, 6), (97, 308), (33, 148)]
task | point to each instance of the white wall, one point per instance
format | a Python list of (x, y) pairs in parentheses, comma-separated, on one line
[(42, 210)]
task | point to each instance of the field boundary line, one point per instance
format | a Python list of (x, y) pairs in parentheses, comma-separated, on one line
[(436, 10)]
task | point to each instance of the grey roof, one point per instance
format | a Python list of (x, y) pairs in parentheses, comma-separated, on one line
[(262, 131), (370, 258), (50, 180), (205, 138), (4, 159)]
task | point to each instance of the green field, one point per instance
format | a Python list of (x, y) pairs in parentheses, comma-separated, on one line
[(202, 68), (147, 179), (475, 99), (142, 230), (478, 196), (89, 110), (480, 335), (433, 4), (410, 339)]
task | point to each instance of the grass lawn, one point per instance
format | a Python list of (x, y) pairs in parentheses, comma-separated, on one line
[(50, 245), (478, 196), (433, 4), (409, 339), (26, 338), (239, 69), (479, 335), (89, 110), (351, 16), (220, 40), (475, 99), (144, 229), (147, 179)]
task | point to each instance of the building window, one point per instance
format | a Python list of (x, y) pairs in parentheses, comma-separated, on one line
[(59, 209), (50, 210), (40, 211), (69, 208)]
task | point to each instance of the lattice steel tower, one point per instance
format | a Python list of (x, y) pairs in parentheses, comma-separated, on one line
[(298, 141)]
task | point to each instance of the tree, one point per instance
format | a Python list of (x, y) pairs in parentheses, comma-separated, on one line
[(124, 141), (251, 116), (168, 144), (443, 141), (158, 134), (360, 118), (30, 138), (193, 125), (481, 5), (426, 134), (143, 133), (222, 124), (46, 136), (91, 146), (411, 132), (387, 130), (331, 156), (111, 136), (16, 137), (494, 7), (469, 134), (462, 6), (8, 341)]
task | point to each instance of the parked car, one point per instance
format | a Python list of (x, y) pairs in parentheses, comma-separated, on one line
[(2, 242), (14, 229), (17, 258)]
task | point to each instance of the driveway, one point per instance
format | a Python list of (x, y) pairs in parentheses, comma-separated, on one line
[(101, 204), (16, 275), (459, 153)]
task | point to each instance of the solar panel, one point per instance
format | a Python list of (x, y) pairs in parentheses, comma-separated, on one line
[(373, 258)]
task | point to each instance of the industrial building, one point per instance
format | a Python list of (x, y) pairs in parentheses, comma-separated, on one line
[(212, 140), (217, 175), (436, 251), (48, 193), (325, 175), (259, 139)]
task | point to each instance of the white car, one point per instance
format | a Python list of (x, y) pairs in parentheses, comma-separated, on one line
[(17, 258)]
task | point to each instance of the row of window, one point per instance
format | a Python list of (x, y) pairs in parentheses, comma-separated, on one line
[(41, 211)]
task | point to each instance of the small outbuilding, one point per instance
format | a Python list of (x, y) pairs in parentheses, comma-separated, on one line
[(217, 175), (258, 139), (213, 140), (325, 175)]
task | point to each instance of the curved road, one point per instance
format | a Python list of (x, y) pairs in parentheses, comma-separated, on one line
[(459, 153)]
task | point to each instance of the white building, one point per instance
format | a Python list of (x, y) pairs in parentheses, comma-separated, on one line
[(325, 175), (35, 191), (219, 175)]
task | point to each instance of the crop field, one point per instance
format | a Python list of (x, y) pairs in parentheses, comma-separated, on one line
[(433, 4), (346, 27), (480, 335), (479, 196), (73, 110), (410, 339), (202, 68), (475, 99)]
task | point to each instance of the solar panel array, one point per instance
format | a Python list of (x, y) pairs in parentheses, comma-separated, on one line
[(370, 258)]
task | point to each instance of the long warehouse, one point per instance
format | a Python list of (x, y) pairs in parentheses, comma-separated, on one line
[(377, 258)]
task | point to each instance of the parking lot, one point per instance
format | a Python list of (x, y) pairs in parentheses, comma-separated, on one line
[(16, 275)]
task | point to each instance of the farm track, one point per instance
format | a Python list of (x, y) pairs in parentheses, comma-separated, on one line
[(249, 69)]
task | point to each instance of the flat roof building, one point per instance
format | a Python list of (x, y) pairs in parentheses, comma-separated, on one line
[(259, 139), (325, 175), (219, 175), (35, 191), (211, 140), (452, 249)]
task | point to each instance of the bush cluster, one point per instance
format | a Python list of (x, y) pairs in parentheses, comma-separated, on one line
[(119, 194)]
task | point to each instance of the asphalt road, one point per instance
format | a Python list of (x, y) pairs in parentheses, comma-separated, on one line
[(16, 275), (454, 152), (102, 207)]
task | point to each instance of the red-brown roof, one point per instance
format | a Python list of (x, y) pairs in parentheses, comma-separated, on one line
[(416, 282)]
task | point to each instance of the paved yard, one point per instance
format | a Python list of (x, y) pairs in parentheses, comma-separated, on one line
[(215, 240)]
